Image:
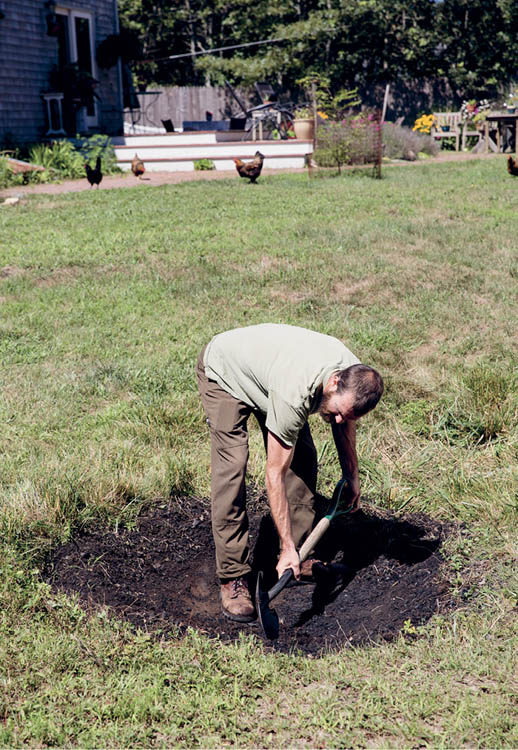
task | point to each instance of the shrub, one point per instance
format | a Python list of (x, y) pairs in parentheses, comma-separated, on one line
[(65, 159), (352, 140), (403, 143), (6, 175), (201, 165), (98, 145), (8, 178), (62, 159)]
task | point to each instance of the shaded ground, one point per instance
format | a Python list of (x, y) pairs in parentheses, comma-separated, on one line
[(161, 575)]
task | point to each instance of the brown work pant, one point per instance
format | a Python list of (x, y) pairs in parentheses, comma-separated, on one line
[(227, 418)]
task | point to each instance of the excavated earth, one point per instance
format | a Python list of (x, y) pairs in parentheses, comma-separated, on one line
[(160, 576)]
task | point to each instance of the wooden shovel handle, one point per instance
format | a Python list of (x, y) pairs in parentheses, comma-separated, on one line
[(315, 536)]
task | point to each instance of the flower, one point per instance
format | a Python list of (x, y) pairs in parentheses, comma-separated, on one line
[(424, 123), (512, 99), (474, 111), (305, 113)]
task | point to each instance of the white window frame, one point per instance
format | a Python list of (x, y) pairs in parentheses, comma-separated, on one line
[(71, 15)]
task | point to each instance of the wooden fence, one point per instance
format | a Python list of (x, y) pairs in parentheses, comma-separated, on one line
[(179, 103)]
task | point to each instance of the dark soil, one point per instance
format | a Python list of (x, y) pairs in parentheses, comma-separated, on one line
[(161, 576)]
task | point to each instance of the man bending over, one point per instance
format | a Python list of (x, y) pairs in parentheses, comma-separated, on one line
[(282, 374)]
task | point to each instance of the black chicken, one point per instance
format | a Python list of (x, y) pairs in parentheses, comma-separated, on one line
[(94, 176)]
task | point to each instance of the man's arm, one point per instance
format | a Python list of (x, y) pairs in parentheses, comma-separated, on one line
[(344, 435), (278, 461)]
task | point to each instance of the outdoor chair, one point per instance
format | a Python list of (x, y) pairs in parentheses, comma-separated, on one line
[(447, 125), (168, 125), (266, 93)]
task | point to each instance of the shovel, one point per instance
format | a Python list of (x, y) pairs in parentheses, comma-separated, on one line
[(267, 616)]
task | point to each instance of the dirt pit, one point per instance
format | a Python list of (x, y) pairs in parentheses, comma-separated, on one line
[(160, 575)]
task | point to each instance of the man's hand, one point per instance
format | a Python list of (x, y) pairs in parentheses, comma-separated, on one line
[(289, 559)]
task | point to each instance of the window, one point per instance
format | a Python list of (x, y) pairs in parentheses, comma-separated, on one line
[(75, 45)]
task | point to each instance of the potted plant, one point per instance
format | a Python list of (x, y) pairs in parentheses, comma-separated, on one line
[(304, 124), (474, 112), (511, 103)]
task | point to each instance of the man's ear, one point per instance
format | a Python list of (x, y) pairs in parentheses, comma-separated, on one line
[(333, 383)]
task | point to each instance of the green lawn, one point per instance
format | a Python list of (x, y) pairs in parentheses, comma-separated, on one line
[(106, 298)]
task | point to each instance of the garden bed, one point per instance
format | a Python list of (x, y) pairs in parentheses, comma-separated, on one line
[(161, 576)]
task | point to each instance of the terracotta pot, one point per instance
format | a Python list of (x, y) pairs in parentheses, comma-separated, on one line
[(304, 128)]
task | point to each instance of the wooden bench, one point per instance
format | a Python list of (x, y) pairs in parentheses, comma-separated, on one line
[(447, 125)]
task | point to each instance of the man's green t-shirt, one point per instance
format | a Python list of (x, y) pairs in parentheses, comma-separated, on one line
[(277, 369)]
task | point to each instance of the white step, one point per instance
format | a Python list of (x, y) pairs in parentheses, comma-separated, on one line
[(179, 151), (185, 165)]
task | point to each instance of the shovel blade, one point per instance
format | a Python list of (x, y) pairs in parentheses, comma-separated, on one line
[(267, 616)]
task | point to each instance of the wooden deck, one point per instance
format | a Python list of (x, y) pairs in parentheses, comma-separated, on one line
[(177, 152)]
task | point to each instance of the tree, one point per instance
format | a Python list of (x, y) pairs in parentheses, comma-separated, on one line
[(467, 47), (479, 48)]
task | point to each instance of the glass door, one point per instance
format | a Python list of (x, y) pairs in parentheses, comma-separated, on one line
[(75, 45)]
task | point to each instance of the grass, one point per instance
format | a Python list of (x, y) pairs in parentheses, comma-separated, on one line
[(106, 299)]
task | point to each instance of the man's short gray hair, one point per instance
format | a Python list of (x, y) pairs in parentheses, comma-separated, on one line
[(365, 382)]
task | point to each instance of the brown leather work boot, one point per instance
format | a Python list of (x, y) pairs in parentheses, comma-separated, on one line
[(236, 601)]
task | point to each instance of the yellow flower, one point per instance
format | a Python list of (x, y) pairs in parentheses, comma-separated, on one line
[(424, 123), (323, 115)]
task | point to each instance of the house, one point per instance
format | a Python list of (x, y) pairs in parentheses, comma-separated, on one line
[(50, 81)]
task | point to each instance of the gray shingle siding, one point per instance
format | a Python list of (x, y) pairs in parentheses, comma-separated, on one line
[(27, 55)]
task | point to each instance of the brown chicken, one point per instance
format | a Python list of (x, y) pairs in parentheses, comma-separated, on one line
[(137, 166), (512, 166), (94, 176), (251, 169)]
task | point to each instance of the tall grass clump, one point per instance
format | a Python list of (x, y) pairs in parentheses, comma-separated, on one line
[(485, 407)]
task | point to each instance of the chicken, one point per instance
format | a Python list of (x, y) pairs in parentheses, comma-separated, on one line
[(251, 169), (512, 166), (94, 176), (137, 166)]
